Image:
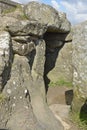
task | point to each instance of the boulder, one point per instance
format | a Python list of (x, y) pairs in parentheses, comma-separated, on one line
[(18, 27), (17, 93), (23, 48), (47, 15)]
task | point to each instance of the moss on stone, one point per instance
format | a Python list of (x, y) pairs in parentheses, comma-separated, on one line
[(2, 98), (75, 117), (9, 10)]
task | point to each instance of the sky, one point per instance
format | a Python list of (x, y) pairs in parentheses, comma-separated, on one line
[(76, 10)]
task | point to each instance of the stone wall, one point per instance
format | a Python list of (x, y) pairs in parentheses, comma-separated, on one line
[(24, 47)]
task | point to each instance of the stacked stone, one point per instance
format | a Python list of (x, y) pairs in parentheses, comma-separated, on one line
[(24, 47)]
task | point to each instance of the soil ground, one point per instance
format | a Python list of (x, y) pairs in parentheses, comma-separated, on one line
[(59, 99)]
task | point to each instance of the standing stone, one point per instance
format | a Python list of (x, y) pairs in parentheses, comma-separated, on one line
[(47, 15), (79, 60), (20, 114)]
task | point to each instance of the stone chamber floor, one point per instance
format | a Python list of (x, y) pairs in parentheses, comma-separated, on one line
[(59, 99)]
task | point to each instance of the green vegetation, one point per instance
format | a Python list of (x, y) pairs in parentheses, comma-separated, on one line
[(12, 9), (81, 124), (19, 9), (23, 17), (9, 10), (60, 82), (2, 98)]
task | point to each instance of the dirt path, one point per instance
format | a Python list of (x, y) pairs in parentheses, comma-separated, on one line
[(59, 100)]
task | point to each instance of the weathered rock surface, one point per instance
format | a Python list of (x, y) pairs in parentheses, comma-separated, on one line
[(5, 57), (47, 15), (79, 60), (71, 64), (16, 90), (25, 50)]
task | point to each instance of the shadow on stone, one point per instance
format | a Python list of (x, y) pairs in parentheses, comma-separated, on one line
[(4, 129), (69, 97), (53, 47), (83, 112)]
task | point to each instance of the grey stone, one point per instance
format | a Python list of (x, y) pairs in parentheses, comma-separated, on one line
[(47, 15), (21, 39), (26, 27), (22, 27), (5, 57), (23, 48), (65, 24), (7, 5), (21, 113), (46, 118), (79, 61)]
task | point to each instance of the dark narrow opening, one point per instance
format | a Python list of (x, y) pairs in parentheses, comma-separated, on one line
[(54, 43), (69, 96), (83, 112)]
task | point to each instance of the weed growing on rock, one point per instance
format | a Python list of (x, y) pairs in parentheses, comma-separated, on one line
[(2, 98), (9, 10), (75, 117)]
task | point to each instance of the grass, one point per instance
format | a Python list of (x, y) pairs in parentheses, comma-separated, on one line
[(2, 98), (60, 82), (81, 124)]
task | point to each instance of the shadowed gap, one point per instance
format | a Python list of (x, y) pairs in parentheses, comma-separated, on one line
[(54, 43)]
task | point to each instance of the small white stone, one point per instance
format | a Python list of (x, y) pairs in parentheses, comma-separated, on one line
[(6, 53), (26, 107), (23, 47), (20, 97), (26, 91), (14, 97), (14, 82), (13, 105), (75, 74), (9, 91), (79, 82), (1, 52)]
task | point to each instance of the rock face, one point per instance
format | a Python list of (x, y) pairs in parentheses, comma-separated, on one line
[(7, 5), (79, 60), (47, 15), (25, 48), (5, 57)]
